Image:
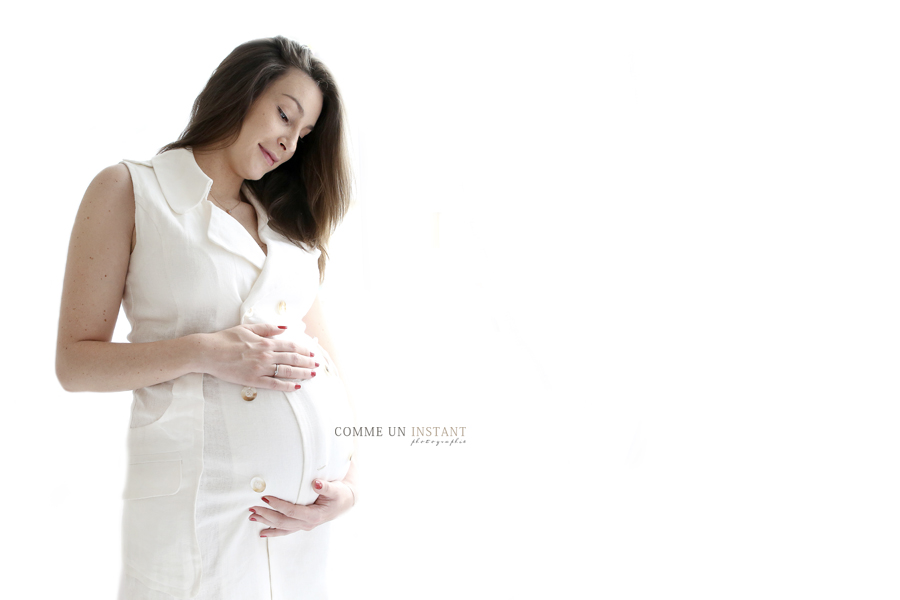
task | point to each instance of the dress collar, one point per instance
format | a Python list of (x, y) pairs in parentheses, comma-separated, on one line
[(182, 181), (185, 185)]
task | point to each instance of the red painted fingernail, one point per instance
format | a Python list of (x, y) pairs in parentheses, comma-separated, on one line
[(266, 500), (297, 387), (252, 519), (261, 535), (317, 364), (317, 484), (313, 373), (253, 511), (311, 354), (282, 327)]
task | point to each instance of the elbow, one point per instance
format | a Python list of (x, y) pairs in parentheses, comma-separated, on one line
[(64, 375), (64, 380)]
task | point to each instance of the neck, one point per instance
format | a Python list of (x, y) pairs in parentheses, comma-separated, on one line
[(226, 185)]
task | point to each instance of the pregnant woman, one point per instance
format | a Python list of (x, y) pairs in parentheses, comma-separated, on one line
[(216, 247)]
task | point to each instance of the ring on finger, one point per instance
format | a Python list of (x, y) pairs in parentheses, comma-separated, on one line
[(276, 370)]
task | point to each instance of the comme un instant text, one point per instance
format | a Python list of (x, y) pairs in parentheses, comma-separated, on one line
[(400, 431)]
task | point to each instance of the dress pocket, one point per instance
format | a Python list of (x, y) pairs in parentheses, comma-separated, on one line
[(152, 479), (159, 545)]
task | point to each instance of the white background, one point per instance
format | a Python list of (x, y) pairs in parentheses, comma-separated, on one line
[(646, 253)]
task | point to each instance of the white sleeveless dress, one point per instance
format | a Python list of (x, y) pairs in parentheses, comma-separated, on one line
[(202, 451)]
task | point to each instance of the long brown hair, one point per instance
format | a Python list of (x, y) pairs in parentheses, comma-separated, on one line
[(307, 196)]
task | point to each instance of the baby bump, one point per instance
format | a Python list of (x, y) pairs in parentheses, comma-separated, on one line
[(272, 442), (323, 399), (252, 445)]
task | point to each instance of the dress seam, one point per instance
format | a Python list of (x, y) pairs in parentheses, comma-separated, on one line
[(269, 560)]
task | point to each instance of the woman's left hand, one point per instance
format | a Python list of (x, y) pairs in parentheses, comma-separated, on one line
[(283, 517)]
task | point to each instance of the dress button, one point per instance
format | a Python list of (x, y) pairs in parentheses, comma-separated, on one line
[(248, 393), (250, 312), (282, 307), (258, 485)]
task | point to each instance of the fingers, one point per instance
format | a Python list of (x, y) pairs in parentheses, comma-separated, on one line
[(292, 365), (335, 494), (278, 384), (282, 345), (256, 351), (265, 329), (310, 515), (296, 359), (299, 512), (277, 504), (273, 532), (329, 489), (288, 372), (294, 362), (273, 518), (278, 345), (323, 487), (282, 517), (258, 517)]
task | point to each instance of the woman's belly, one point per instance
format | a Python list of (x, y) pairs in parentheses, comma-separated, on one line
[(275, 443)]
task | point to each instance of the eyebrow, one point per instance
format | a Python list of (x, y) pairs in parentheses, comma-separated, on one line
[(299, 106)]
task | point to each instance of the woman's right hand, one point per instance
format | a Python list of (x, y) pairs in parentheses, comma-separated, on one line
[(247, 355)]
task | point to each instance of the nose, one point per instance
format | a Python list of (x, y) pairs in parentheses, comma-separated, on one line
[(287, 145)]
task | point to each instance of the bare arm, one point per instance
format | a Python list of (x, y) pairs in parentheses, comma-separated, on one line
[(317, 327), (99, 253), (97, 263)]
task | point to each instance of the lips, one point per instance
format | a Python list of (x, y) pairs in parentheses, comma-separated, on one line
[(268, 155)]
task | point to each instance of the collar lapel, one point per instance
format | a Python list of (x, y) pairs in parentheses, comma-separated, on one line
[(182, 181), (285, 263), (228, 233), (186, 186)]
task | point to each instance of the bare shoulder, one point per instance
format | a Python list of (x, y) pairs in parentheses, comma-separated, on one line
[(108, 203), (106, 215), (112, 184)]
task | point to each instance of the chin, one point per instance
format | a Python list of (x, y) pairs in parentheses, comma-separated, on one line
[(255, 174)]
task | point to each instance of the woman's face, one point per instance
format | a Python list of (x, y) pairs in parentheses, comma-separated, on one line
[(286, 111)]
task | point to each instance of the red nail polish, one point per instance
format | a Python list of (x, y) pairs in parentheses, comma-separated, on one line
[(313, 373), (317, 484), (252, 519), (253, 511), (311, 354), (261, 535), (297, 387), (282, 327), (266, 500), (317, 364)]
